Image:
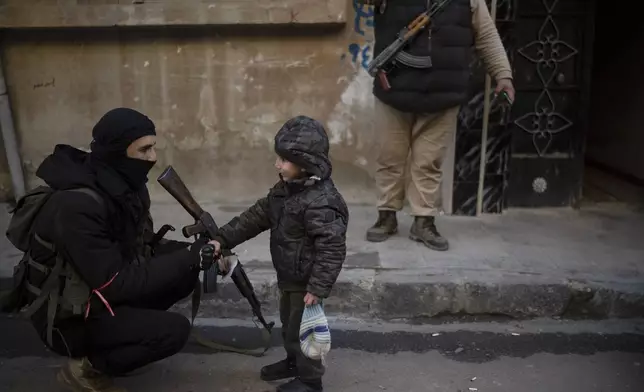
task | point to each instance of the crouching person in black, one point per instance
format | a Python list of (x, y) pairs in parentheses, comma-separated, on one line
[(98, 222)]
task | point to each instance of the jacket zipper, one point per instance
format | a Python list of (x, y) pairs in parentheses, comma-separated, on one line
[(297, 261)]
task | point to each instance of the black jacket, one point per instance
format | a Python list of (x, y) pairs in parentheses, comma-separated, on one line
[(307, 218), (104, 241)]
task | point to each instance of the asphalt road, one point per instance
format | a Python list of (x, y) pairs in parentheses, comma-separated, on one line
[(548, 359)]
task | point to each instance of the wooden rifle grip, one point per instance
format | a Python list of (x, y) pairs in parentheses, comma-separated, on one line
[(384, 81)]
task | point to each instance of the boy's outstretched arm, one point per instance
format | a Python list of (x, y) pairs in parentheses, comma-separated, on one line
[(326, 224), (249, 224)]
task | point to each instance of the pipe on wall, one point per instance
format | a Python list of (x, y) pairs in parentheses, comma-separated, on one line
[(10, 140)]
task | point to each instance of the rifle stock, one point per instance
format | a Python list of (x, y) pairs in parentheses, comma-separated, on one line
[(204, 222), (172, 183)]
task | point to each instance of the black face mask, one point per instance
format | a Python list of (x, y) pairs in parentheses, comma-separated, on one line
[(134, 171)]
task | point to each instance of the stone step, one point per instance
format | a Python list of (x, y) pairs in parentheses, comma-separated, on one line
[(424, 296)]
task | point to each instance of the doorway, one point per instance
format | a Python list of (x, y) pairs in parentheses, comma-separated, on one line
[(614, 160)]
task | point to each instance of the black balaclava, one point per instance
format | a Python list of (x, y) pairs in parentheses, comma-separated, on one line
[(113, 133)]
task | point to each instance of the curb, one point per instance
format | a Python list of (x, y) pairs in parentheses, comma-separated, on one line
[(391, 295), (423, 298)]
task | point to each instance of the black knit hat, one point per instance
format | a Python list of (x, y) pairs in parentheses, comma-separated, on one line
[(117, 129)]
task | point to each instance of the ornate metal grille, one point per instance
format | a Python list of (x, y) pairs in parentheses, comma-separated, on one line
[(546, 52)]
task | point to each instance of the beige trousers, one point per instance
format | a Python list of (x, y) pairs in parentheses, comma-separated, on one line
[(424, 140)]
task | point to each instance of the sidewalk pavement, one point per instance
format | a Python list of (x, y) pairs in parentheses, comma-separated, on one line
[(521, 264)]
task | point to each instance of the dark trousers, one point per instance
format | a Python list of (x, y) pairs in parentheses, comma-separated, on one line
[(291, 309), (139, 333)]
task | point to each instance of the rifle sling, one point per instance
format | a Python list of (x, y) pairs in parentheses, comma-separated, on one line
[(196, 301), (405, 58)]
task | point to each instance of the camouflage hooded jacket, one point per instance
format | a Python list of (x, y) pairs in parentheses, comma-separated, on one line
[(307, 218)]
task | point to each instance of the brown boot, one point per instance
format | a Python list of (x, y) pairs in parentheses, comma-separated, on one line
[(424, 230), (80, 376), (385, 226)]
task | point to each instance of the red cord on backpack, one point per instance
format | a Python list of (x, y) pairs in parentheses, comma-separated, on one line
[(98, 293)]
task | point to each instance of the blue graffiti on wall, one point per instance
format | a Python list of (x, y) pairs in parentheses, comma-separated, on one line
[(363, 20), (364, 15), (362, 51)]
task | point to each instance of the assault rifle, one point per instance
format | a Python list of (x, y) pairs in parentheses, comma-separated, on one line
[(392, 52), (205, 226)]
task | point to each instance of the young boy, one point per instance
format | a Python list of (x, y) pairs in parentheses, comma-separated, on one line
[(308, 219)]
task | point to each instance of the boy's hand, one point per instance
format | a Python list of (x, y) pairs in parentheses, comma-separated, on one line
[(217, 246), (224, 264), (310, 299)]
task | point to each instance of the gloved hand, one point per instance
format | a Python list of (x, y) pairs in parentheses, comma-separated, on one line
[(207, 254), (204, 253), (196, 252)]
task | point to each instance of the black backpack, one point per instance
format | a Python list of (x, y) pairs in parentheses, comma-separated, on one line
[(22, 293)]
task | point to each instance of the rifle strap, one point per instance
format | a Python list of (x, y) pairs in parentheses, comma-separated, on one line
[(196, 301)]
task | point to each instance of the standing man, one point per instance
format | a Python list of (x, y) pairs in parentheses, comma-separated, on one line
[(418, 103)]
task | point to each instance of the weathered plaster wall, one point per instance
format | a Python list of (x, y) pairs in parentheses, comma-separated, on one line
[(5, 178), (217, 96), (108, 13)]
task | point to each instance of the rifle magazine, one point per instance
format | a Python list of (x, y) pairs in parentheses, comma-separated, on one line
[(421, 62)]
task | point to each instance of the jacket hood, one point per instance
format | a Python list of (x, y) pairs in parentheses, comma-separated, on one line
[(304, 142), (67, 167)]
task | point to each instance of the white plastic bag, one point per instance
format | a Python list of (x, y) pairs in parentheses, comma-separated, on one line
[(315, 336)]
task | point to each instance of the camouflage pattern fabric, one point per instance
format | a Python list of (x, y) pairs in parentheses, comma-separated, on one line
[(307, 218)]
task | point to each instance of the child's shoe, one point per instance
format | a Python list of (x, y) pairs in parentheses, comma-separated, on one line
[(280, 370), (297, 385)]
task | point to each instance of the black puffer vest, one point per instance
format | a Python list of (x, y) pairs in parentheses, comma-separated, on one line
[(445, 83)]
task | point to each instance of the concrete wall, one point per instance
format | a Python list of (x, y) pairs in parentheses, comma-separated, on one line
[(5, 178), (217, 93), (616, 135)]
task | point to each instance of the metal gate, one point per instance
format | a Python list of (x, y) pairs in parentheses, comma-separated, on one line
[(535, 152)]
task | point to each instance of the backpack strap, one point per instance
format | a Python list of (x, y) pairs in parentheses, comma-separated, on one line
[(50, 289), (50, 283)]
